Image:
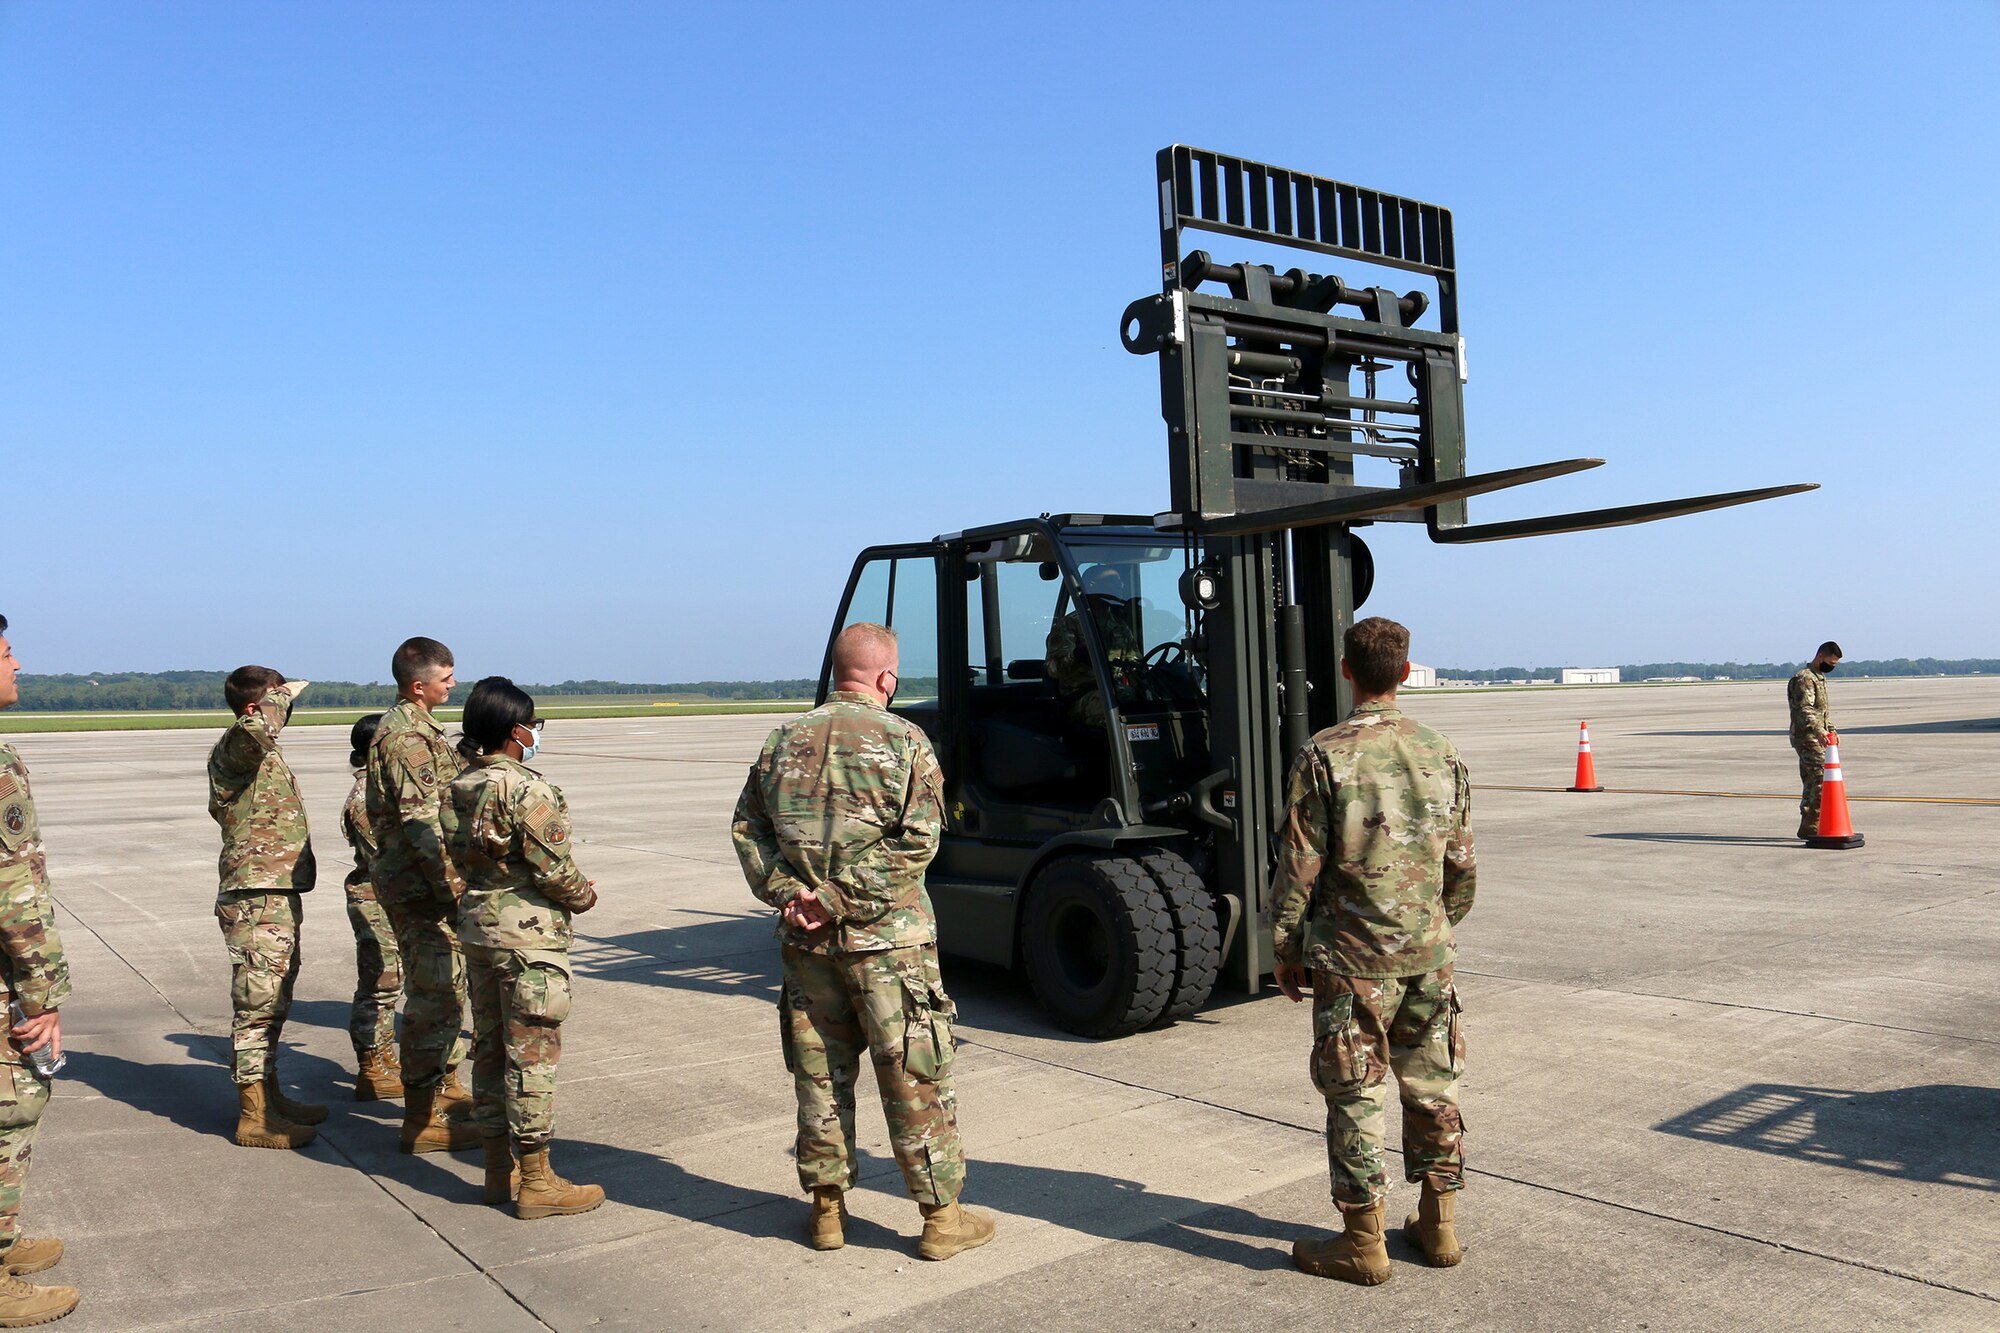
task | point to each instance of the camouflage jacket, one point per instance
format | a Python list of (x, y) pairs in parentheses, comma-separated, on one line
[(1375, 863), (1806, 693), (37, 974), (254, 797), (506, 831), (360, 835), (1068, 656), (409, 765), (845, 803)]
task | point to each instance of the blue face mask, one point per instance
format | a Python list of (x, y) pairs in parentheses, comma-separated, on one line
[(529, 751)]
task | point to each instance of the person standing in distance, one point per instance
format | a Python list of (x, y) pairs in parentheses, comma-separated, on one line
[(37, 984), (1806, 693), (378, 964), (507, 830), (266, 864), (409, 766), (1375, 868), (839, 817)]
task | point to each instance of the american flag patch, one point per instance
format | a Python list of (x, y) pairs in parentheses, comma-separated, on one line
[(7, 784)]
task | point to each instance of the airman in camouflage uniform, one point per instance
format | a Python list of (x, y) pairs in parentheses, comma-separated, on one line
[(266, 864), (378, 964), (1807, 696), (409, 765), (508, 832), (37, 983), (1375, 869), (839, 818), (1068, 652)]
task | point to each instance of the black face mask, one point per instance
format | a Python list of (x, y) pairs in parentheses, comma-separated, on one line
[(1829, 668)]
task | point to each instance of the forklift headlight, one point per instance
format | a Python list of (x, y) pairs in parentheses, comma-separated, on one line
[(1201, 589)]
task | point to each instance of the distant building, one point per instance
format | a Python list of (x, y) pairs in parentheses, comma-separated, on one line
[(1590, 675), (1422, 677)]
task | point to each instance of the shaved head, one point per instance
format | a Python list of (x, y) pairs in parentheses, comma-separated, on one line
[(862, 651)]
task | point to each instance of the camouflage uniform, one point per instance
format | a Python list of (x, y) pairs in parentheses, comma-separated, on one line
[(1374, 870), (409, 766), (508, 834), (378, 964), (37, 980), (266, 863), (1806, 693), (846, 804), (1068, 656)]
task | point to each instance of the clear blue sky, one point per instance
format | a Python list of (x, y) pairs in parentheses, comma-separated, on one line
[(594, 339)]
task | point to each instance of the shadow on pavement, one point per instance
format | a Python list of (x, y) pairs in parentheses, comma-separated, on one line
[(1109, 1207), (732, 955), (1941, 1133), (1727, 839), (645, 1180)]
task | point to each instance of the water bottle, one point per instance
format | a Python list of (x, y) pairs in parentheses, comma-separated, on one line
[(45, 1062)]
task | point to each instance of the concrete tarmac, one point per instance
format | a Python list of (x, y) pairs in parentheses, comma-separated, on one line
[(1717, 1079)]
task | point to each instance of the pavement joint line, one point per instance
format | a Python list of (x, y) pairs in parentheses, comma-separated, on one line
[(208, 1319), (1751, 795), (1727, 1004), (649, 758), (649, 851), (109, 948), (1318, 1132)]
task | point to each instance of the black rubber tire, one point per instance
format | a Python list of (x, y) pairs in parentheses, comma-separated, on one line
[(1197, 932), (1098, 942)]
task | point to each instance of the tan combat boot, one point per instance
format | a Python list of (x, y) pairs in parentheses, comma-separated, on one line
[(1358, 1255), (1430, 1228), (826, 1226), (259, 1124), (23, 1304), (455, 1096), (380, 1076), (503, 1173), (426, 1127), (33, 1254), (546, 1194), (299, 1113), (949, 1228)]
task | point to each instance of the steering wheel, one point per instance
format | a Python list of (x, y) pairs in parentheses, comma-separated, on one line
[(1171, 671)]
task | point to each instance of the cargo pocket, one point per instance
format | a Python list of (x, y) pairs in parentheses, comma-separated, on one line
[(1337, 1060), (22, 1096), (541, 991), (927, 1036), (1456, 1031), (785, 1029)]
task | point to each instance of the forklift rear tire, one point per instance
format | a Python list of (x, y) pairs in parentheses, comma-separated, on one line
[(1098, 941)]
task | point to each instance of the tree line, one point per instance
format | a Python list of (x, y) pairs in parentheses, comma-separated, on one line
[(147, 691)]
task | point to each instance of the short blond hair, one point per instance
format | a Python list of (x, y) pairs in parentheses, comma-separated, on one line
[(862, 649)]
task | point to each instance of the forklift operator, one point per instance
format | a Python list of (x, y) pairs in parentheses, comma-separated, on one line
[(1106, 595)]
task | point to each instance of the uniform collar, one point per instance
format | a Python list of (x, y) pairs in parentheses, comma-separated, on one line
[(497, 760), (853, 697), (422, 718), (1377, 706)]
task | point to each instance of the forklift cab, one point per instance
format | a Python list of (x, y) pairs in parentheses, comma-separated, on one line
[(1050, 662)]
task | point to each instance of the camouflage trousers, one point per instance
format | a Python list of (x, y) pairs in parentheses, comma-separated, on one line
[(890, 1003), (22, 1100), (1812, 773), (261, 931), (519, 1000), (433, 988), (378, 971), (1364, 1028)]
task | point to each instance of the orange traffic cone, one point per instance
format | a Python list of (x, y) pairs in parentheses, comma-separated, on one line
[(1586, 770), (1835, 829)]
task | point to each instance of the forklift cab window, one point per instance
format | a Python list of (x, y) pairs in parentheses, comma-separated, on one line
[(901, 592), (1129, 592)]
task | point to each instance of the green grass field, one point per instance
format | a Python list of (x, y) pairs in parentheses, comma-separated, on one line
[(605, 706)]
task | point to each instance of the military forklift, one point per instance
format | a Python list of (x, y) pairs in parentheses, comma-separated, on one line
[(1115, 698)]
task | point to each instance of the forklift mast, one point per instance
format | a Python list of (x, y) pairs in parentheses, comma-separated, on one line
[(1272, 388)]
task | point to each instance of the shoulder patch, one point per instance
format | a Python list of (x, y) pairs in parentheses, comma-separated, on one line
[(427, 775), (15, 818), (538, 817), (8, 787)]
